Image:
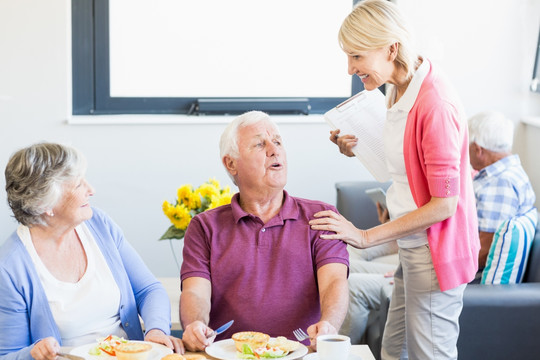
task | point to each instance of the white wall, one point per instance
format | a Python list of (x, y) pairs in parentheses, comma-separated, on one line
[(135, 167)]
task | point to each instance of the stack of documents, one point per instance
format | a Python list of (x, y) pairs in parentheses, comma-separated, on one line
[(363, 116)]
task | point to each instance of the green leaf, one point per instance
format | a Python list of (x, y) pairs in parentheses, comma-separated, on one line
[(173, 233), (246, 349)]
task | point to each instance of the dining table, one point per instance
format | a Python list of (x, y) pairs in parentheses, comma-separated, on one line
[(358, 352), (172, 286)]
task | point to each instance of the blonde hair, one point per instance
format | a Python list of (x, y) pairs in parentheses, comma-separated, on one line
[(374, 24)]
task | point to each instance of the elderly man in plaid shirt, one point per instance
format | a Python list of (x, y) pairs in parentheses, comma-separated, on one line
[(501, 186)]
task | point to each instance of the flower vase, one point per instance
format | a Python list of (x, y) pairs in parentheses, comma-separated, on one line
[(174, 253)]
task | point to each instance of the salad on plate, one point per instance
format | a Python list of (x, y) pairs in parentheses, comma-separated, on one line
[(263, 352), (107, 345)]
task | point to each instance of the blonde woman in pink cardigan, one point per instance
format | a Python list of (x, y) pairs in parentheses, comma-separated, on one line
[(431, 200)]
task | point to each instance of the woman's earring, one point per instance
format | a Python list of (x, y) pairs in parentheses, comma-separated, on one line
[(50, 213)]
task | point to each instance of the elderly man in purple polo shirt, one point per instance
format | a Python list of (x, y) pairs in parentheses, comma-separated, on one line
[(257, 260)]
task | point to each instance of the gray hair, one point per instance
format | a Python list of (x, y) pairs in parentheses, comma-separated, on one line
[(228, 144), (35, 177), (492, 131), (374, 24)]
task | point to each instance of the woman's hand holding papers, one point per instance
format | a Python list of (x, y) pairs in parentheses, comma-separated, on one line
[(344, 142)]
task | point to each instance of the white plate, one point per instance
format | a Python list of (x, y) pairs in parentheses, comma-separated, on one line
[(158, 351), (315, 356), (226, 350)]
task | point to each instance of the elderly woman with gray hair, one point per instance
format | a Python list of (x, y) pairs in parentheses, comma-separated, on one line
[(67, 274)]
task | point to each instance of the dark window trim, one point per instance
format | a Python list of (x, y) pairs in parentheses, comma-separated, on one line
[(91, 81), (535, 83)]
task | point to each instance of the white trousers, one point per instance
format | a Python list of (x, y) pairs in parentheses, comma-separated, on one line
[(423, 321)]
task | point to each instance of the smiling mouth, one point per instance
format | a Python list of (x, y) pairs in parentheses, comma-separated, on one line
[(363, 76)]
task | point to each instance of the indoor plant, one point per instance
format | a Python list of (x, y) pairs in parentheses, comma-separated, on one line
[(190, 202)]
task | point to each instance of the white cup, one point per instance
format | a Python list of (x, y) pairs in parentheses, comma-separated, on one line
[(333, 347)]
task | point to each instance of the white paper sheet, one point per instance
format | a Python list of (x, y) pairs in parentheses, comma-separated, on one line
[(363, 115)]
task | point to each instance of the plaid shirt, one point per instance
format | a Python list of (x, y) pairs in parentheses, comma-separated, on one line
[(502, 191)]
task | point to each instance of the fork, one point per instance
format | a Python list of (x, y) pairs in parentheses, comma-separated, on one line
[(300, 334)]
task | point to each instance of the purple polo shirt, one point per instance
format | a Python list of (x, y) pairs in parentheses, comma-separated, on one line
[(264, 276)]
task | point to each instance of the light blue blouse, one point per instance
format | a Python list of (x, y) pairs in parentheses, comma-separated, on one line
[(25, 315)]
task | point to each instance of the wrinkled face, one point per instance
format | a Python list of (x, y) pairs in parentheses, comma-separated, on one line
[(373, 67), (74, 207), (262, 161)]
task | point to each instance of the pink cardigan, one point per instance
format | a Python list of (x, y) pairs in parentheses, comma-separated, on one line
[(436, 150)]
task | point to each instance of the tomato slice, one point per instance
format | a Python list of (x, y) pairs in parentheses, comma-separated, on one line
[(110, 352)]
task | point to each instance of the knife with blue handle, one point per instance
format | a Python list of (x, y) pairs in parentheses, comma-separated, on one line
[(220, 329)]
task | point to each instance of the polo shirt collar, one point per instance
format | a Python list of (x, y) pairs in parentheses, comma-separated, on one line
[(408, 99), (499, 166), (289, 209)]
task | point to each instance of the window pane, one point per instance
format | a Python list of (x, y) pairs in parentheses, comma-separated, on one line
[(236, 48)]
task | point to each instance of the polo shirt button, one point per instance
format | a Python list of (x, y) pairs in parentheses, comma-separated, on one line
[(448, 193), (126, 324), (263, 230)]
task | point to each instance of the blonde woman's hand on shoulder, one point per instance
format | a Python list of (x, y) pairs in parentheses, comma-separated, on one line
[(343, 229)]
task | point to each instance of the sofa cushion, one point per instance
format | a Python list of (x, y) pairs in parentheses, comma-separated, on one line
[(533, 265), (509, 251), (355, 205)]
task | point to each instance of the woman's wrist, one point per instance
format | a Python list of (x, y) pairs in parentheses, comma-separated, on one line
[(364, 235), (156, 331)]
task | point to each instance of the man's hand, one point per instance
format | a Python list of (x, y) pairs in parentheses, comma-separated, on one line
[(318, 329), (195, 336), (195, 313), (159, 337), (45, 349)]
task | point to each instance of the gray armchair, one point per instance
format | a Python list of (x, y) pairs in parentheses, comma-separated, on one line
[(503, 321), (353, 203)]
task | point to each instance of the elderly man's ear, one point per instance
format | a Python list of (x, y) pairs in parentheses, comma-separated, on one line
[(230, 165), (477, 149)]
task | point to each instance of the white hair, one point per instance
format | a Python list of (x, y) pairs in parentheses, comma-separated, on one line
[(492, 131), (228, 144), (35, 178)]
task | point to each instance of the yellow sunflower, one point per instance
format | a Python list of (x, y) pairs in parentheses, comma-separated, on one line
[(184, 193), (191, 202), (214, 182), (179, 215), (207, 190)]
